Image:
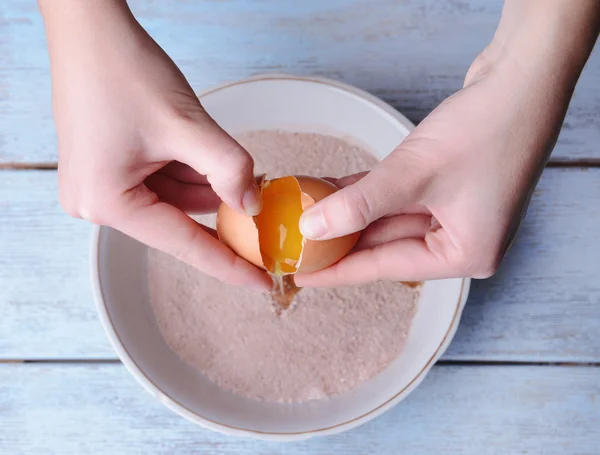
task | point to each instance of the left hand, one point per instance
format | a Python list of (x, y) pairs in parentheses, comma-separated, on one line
[(448, 201)]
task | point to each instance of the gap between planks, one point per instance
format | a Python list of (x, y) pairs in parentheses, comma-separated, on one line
[(28, 166), (553, 163), (443, 362)]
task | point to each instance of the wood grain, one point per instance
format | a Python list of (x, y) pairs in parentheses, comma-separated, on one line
[(541, 306), (99, 409), (412, 54)]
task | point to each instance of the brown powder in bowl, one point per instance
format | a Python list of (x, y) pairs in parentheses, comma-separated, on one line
[(330, 341)]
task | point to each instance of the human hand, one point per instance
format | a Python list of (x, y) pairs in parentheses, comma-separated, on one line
[(136, 148), (448, 201)]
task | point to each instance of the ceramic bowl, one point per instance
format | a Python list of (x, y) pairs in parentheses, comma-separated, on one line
[(118, 272)]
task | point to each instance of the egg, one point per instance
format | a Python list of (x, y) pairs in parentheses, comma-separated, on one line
[(272, 240)]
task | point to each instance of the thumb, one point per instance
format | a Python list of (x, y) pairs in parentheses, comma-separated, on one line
[(203, 145), (382, 191)]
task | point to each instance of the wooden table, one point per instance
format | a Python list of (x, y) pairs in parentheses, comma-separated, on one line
[(522, 375)]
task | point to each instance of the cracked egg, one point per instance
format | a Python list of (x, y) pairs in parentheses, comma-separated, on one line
[(272, 240)]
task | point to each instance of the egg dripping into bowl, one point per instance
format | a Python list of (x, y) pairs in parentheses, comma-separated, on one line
[(272, 240)]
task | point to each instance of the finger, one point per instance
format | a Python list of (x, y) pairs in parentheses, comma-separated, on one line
[(183, 173), (166, 228), (210, 151), (187, 174), (331, 179), (191, 198), (404, 260), (380, 192), (411, 209), (386, 230), (353, 178), (350, 179)]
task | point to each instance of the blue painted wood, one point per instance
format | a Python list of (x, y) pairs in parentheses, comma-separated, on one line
[(412, 54), (543, 305), (98, 409)]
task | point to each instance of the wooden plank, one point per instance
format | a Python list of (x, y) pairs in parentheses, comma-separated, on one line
[(541, 306), (99, 409), (46, 303), (412, 54)]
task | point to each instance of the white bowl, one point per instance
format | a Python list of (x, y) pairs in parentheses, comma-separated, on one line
[(118, 271)]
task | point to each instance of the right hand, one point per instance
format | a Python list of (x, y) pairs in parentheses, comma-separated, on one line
[(136, 148)]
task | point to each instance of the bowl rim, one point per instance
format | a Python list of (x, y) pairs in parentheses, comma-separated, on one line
[(183, 411)]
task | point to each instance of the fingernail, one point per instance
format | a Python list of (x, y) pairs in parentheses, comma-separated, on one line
[(85, 215), (252, 202), (312, 225)]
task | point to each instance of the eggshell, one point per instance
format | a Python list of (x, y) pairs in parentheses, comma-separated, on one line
[(240, 234)]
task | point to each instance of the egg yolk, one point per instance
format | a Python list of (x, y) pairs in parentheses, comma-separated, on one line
[(278, 226)]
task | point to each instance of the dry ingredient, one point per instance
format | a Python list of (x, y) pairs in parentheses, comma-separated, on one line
[(330, 341)]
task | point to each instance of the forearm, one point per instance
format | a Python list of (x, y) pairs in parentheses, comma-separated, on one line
[(76, 16), (534, 61), (99, 39), (547, 39), (75, 26)]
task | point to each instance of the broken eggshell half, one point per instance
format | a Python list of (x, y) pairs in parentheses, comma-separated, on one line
[(241, 233)]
